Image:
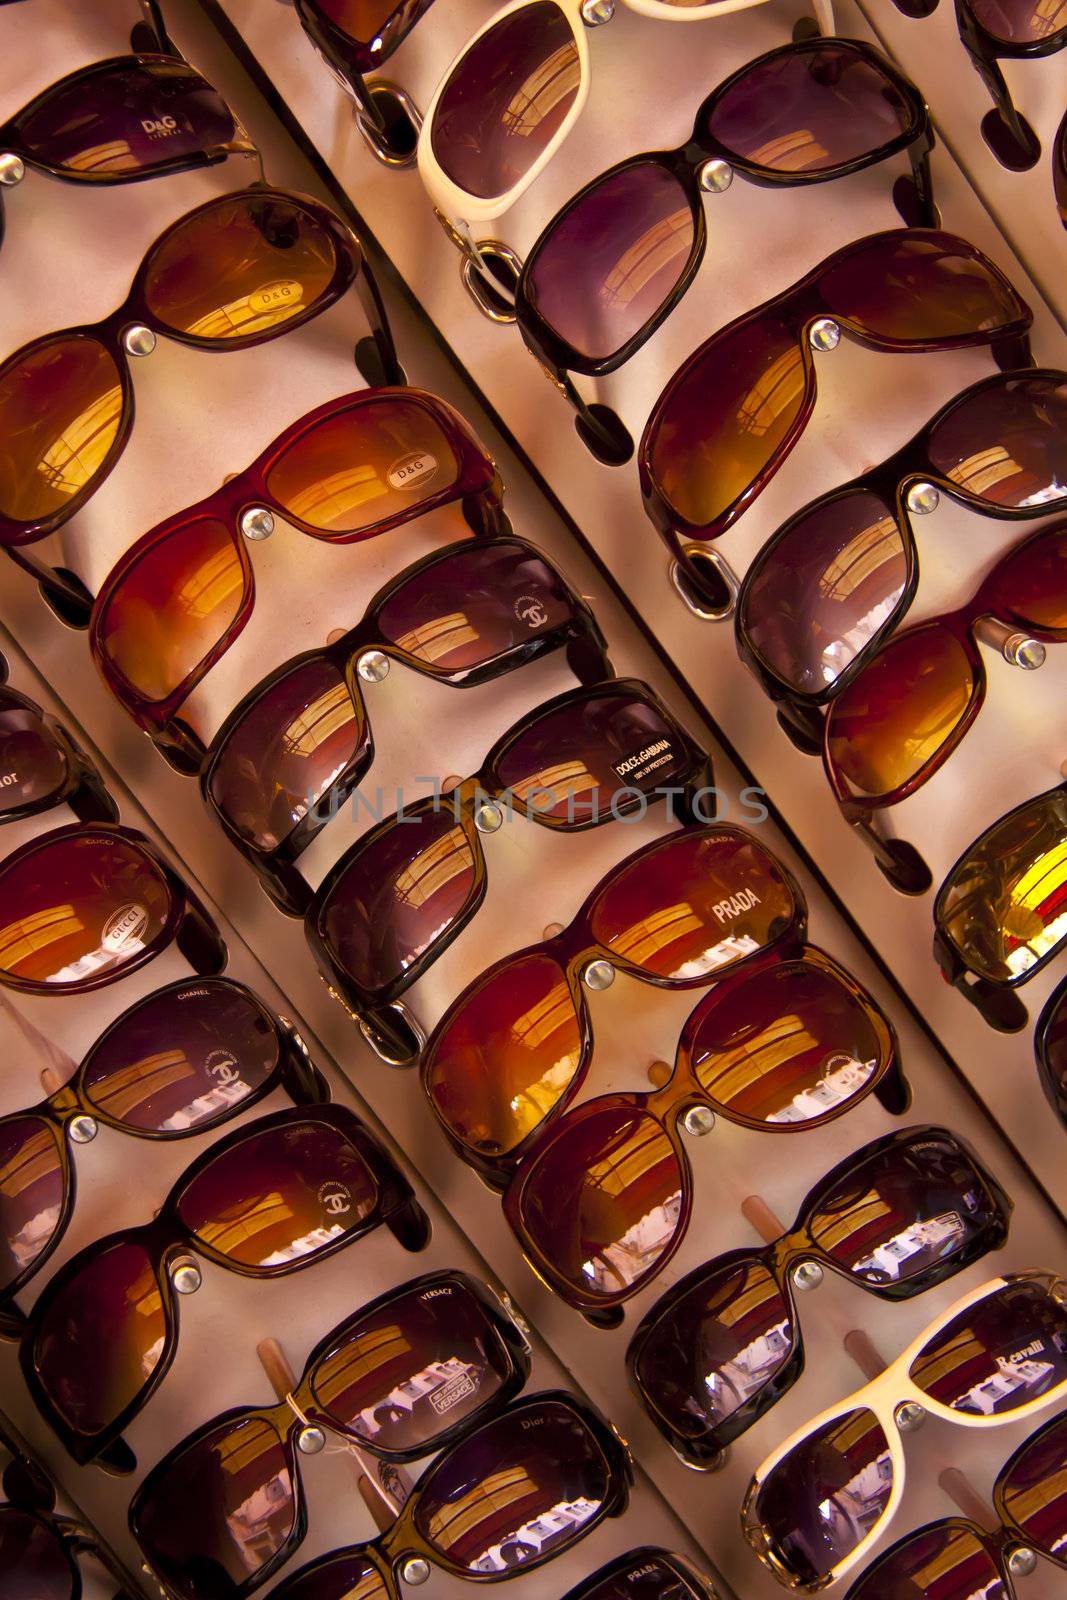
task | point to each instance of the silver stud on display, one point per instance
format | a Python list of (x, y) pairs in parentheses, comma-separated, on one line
[(715, 176), (415, 1570), (922, 498), (1022, 1562), (186, 1277), (488, 817), (825, 334), (599, 975), (12, 171), (373, 666), (83, 1129), (698, 1121), (807, 1276), (594, 12), (139, 340), (1019, 650), (257, 523), (909, 1415), (309, 1441)]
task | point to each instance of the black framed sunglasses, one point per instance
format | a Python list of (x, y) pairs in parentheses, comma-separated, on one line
[(42, 765)]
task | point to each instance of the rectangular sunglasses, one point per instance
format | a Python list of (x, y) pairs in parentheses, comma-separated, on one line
[(897, 1217), (352, 469), (819, 1501), (300, 743), (43, 766), (270, 1199), (409, 1374)]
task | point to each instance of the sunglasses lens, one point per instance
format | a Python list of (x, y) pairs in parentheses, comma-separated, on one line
[(822, 1499), (184, 1058), (287, 752), (83, 906), (61, 406), (358, 469), (506, 99), (33, 1561), (505, 1058), (643, 1574), (1052, 1051), (31, 762), (32, 1192), (360, 19), (612, 262), (1032, 581), (600, 1200), (1007, 442), (917, 286), (345, 1576), (1000, 1353), (1019, 21), (693, 905), (1033, 1490), (556, 1481), (946, 1563), (239, 268)]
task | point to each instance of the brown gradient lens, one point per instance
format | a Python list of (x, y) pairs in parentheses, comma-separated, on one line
[(360, 468), (1007, 442), (1002, 1352), (694, 905), (238, 267), (85, 905), (915, 286), (348, 1575), (786, 1046), (32, 764), (943, 1563), (32, 1191), (360, 19), (900, 711), (506, 1056), (1032, 580), (32, 1558), (1021, 21), (170, 610), (1033, 1490), (61, 406)]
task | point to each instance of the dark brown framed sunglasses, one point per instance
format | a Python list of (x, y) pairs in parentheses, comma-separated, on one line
[(43, 766)]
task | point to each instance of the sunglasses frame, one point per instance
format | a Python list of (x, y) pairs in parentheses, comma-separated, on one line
[(794, 1248), (1059, 169), (1053, 1016), (82, 788), (697, 1585), (1004, 129), (350, 59)]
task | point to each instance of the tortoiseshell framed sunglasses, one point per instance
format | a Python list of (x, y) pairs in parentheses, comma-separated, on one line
[(352, 469), (300, 743), (42, 765)]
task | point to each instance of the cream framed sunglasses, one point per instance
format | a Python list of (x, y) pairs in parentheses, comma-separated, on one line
[(819, 1502)]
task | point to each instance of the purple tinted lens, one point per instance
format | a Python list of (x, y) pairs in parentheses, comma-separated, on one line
[(829, 587), (1001, 1353), (1020, 21), (1007, 443), (810, 109), (823, 1498), (347, 1575), (32, 766), (185, 1057), (32, 1559), (1032, 1490), (946, 1562), (32, 1192), (506, 100), (613, 260)]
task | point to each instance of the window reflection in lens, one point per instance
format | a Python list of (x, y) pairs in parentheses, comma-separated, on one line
[(61, 405), (946, 1563), (32, 1188), (1003, 1352)]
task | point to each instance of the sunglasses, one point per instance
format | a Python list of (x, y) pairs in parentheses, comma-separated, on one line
[(353, 468), (824, 1496), (399, 897), (270, 1199), (235, 272), (353, 38), (300, 743), (1059, 169), (955, 1558), (1050, 1049), (839, 575), (88, 904), (409, 1374), (645, 1574), (897, 1217), (616, 260), (41, 765), (733, 411), (1001, 912), (178, 1063)]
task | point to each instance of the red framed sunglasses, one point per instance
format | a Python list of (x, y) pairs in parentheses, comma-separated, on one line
[(42, 765), (350, 470)]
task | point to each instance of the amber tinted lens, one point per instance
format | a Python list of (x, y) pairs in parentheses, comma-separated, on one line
[(892, 720), (172, 608), (1021, 21), (83, 906), (917, 286), (360, 19), (32, 765), (600, 1200), (823, 1498), (1031, 582), (1032, 1490), (363, 466), (506, 99), (32, 1192), (32, 1558), (1004, 906), (286, 752), (694, 904), (239, 268), (61, 405), (1006, 442), (505, 1055), (942, 1563), (1002, 1352)]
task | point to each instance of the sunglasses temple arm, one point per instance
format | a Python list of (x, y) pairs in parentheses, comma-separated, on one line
[(892, 1091), (989, 70), (153, 19), (922, 178), (198, 939), (611, 443), (897, 860), (995, 1004), (370, 298), (301, 1078), (65, 593)]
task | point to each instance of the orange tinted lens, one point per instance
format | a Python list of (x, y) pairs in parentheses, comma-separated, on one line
[(240, 268), (373, 462), (60, 410), (893, 719), (170, 609)]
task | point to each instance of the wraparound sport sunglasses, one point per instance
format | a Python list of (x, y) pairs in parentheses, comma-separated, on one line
[(270, 1199), (41, 765), (407, 1375), (300, 743), (616, 260), (350, 470), (734, 410), (181, 1062), (897, 1217), (821, 1499), (235, 272)]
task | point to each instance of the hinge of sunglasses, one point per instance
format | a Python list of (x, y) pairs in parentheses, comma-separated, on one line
[(513, 1314)]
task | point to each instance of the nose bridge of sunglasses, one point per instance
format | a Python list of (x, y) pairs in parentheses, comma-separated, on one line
[(908, 1415)]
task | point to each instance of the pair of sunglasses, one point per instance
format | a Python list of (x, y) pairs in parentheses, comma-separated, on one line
[(180, 1062), (1001, 912), (409, 1374), (1059, 169), (828, 1492), (42, 766), (731, 414), (897, 1217), (269, 1199), (300, 743), (88, 904), (647, 1573), (615, 261), (354, 37), (353, 468), (395, 901), (1050, 1049), (955, 1558), (235, 272)]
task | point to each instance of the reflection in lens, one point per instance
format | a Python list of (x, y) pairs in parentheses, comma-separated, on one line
[(1032, 1491), (946, 1562), (1032, 580), (916, 285), (32, 1559), (32, 1188), (1006, 442), (1021, 21), (344, 1575), (61, 405), (32, 764), (1003, 1352)]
